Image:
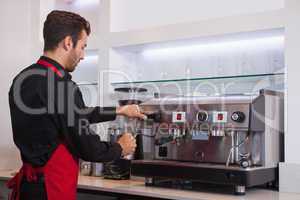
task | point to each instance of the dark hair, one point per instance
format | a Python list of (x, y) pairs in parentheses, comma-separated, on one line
[(60, 24)]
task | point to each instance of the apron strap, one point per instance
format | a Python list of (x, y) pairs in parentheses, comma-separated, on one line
[(50, 66)]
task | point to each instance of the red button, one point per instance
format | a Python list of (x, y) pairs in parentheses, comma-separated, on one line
[(220, 116), (178, 117)]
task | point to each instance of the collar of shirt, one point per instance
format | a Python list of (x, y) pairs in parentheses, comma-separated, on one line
[(58, 66)]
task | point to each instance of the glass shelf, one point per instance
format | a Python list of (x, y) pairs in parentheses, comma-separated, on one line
[(206, 86), (86, 83)]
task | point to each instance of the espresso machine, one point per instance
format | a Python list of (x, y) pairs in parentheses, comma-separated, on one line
[(234, 140)]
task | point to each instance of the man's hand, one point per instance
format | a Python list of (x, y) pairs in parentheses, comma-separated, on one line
[(131, 111), (128, 144)]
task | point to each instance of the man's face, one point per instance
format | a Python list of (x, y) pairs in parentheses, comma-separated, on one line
[(76, 54)]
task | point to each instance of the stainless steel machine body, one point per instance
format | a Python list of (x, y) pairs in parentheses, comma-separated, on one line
[(237, 139)]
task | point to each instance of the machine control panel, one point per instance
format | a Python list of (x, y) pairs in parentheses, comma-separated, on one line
[(220, 116)]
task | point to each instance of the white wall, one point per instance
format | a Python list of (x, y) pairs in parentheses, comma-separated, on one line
[(293, 72), (16, 46), (140, 14), (289, 171), (87, 69)]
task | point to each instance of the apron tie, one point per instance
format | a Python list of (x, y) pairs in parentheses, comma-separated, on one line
[(60, 176), (27, 171)]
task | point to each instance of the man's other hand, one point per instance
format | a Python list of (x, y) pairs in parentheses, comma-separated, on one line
[(128, 144)]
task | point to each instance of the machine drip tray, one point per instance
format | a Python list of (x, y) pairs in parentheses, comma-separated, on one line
[(192, 185), (195, 175)]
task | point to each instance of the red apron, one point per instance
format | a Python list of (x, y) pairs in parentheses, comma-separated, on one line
[(60, 172)]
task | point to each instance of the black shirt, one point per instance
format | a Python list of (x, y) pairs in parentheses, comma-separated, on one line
[(47, 108)]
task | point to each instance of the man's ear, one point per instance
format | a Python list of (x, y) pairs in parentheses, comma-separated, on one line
[(68, 43)]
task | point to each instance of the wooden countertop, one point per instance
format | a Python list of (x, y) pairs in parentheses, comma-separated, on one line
[(136, 187)]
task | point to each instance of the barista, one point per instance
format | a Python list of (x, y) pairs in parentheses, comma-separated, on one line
[(50, 119)]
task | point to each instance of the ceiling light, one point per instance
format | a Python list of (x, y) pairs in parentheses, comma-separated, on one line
[(81, 3)]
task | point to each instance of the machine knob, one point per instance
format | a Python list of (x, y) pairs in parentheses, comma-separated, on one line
[(202, 116), (245, 160), (238, 116), (245, 163)]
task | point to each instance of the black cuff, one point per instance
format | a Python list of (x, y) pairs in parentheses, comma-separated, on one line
[(109, 113)]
